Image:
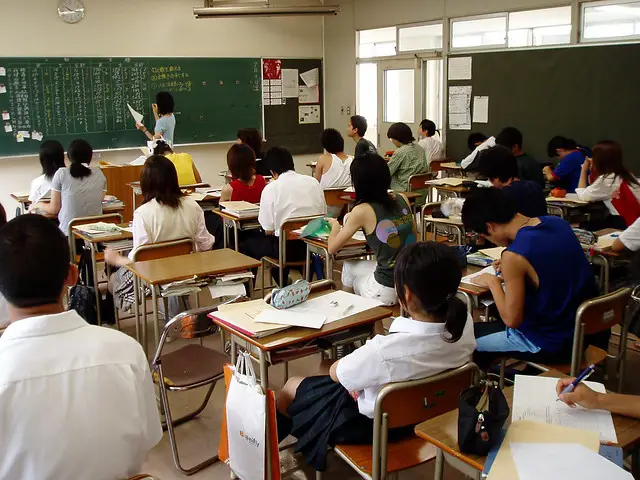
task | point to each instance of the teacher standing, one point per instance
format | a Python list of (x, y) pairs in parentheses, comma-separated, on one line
[(165, 120)]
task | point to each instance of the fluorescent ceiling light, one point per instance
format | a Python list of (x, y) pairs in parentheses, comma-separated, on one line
[(262, 11)]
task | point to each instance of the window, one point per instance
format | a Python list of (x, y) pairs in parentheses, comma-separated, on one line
[(433, 82), (424, 37), (399, 97), (479, 32), (533, 28), (607, 20), (380, 42), (367, 98)]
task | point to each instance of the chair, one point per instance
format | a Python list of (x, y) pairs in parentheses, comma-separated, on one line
[(335, 202), (448, 223), (594, 316), (417, 183), (405, 404), (285, 234), (191, 366)]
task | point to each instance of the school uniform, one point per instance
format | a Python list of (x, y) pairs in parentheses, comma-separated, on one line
[(630, 238), (324, 413), (607, 189), (40, 188), (433, 148), (528, 198), (568, 171)]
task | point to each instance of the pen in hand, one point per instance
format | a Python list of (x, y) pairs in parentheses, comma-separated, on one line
[(582, 377)]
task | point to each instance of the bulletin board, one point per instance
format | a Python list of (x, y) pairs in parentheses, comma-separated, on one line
[(293, 96)]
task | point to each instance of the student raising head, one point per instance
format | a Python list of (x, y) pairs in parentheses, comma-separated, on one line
[(437, 335), (253, 138), (51, 159), (616, 186), (528, 167), (77, 190), (500, 166), (246, 184), (387, 222), (164, 117), (567, 174), (356, 130), (408, 159), (333, 167), (432, 146), (188, 173), (165, 214)]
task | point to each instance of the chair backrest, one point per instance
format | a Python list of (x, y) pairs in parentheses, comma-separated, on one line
[(430, 208), (417, 182), (287, 227), (408, 403), (173, 248), (333, 197), (319, 286), (116, 218)]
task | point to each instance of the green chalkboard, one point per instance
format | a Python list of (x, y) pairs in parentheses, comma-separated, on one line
[(68, 98)]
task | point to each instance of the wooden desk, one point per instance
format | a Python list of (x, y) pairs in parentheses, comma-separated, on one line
[(320, 246), (136, 191), (442, 432), (118, 177), (605, 258), (470, 291), (449, 191), (24, 203), (238, 224), (454, 223), (166, 270), (411, 196)]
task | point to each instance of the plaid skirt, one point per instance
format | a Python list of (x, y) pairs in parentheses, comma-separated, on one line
[(123, 289)]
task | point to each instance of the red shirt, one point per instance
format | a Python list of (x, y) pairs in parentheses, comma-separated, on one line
[(244, 192)]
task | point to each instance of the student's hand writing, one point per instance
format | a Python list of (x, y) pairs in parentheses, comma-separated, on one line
[(582, 395), (486, 280), (587, 164), (497, 266), (154, 107), (140, 126)]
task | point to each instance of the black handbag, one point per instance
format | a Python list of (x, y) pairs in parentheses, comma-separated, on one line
[(82, 297), (482, 413)]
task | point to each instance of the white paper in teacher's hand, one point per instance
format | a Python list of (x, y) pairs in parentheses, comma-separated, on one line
[(137, 116)]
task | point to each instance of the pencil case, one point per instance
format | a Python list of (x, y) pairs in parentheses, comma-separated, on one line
[(290, 295)]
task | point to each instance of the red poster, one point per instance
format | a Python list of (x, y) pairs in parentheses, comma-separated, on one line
[(271, 69)]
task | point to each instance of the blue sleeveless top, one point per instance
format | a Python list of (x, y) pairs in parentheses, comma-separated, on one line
[(565, 281)]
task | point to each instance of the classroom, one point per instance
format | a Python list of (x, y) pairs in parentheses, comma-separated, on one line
[(319, 238)]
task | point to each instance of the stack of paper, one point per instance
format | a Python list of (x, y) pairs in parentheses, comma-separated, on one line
[(605, 242), (335, 306), (241, 209), (470, 278), (120, 245), (98, 229), (182, 287), (452, 182), (242, 317), (227, 289), (292, 319)]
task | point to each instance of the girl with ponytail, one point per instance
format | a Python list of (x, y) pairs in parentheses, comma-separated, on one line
[(437, 335)]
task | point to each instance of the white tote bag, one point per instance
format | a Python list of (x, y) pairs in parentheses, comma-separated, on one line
[(246, 420)]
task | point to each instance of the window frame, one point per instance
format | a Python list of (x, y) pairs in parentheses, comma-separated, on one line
[(358, 33), (603, 40), (420, 24), (479, 48)]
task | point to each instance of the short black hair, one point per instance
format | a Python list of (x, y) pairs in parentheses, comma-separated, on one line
[(429, 127), (51, 157), (358, 122), (498, 162), (332, 141), (80, 153), (253, 138), (279, 160), (161, 148), (401, 132), (371, 179), (421, 261), (560, 142), (241, 162), (510, 137), (165, 103), (475, 137), (34, 261), (487, 205), (159, 180)]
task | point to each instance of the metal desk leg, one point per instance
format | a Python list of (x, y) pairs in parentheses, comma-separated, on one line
[(154, 296), (225, 232), (136, 307), (439, 468), (236, 227), (307, 264), (234, 348), (145, 341), (94, 268), (264, 382)]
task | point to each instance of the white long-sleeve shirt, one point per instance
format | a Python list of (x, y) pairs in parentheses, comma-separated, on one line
[(603, 189), (488, 143)]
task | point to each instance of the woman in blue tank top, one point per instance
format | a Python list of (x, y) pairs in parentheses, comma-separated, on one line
[(546, 278)]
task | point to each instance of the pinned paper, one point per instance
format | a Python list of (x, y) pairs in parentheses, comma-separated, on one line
[(24, 134), (37, 136), (19, 138), (460, 68), (272, 69), (309, 114), (460, 107), (266, 101), (276, 101), (309, 94), (290, 83), (481, 109), (311, 78), (3, 71), (3, 89), (137, 116), (6, 116), (8, 128)]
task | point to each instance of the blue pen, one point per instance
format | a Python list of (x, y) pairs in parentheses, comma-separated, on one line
[(582, 377)]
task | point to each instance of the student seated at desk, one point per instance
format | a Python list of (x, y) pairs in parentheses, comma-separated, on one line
[(356, 130), (77, 190), (546, 278), (51, 159), (528, 167), (289, 195), (188, 173), (436, 336), (627, 405), (246, 185), (68, 390), (500, 166), (253, 138), (432, 146), (388, 225), (408, 159), (629, 239), (567, 174), (165, 214), (475, 139), (334, 166), (477, 142), (616, 186)]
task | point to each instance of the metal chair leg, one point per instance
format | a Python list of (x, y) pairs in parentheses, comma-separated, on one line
[(503, 364), (439, 468)]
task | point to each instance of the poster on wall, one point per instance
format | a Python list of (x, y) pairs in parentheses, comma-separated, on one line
[(271, 69), (272, 82), (290, 83), (308, 114), (460, 108), (309, 94)]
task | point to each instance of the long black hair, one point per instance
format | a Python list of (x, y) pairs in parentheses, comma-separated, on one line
[(51, 157), (161, 148), (432, 273), (371, 179), (159, 180), (80, 154)]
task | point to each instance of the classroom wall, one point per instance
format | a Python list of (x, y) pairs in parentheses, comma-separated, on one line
[(130, 28)]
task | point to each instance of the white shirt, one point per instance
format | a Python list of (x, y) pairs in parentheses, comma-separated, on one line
[(4, 312), (76, 401), (153, 223), (411, 351), (488, 143), (630, 238), (291, 195), (433, 147), (40, 188), (603, 189), (339, 173)]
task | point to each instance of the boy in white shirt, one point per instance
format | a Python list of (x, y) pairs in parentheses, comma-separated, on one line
[(432, 146), (76, 401)]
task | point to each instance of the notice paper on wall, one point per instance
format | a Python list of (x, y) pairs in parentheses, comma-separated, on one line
[(311, 78), (290, 83), (5, 115), (460, 68), (480, 109), (3, 89), (460, 107), (309, 94), (3, 71), (309, 114)]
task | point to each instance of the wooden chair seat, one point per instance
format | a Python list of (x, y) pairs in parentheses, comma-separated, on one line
[(402, 455), (192, 364), (592, 356)]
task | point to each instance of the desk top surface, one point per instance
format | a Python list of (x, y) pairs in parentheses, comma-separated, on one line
[(121, 235)]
